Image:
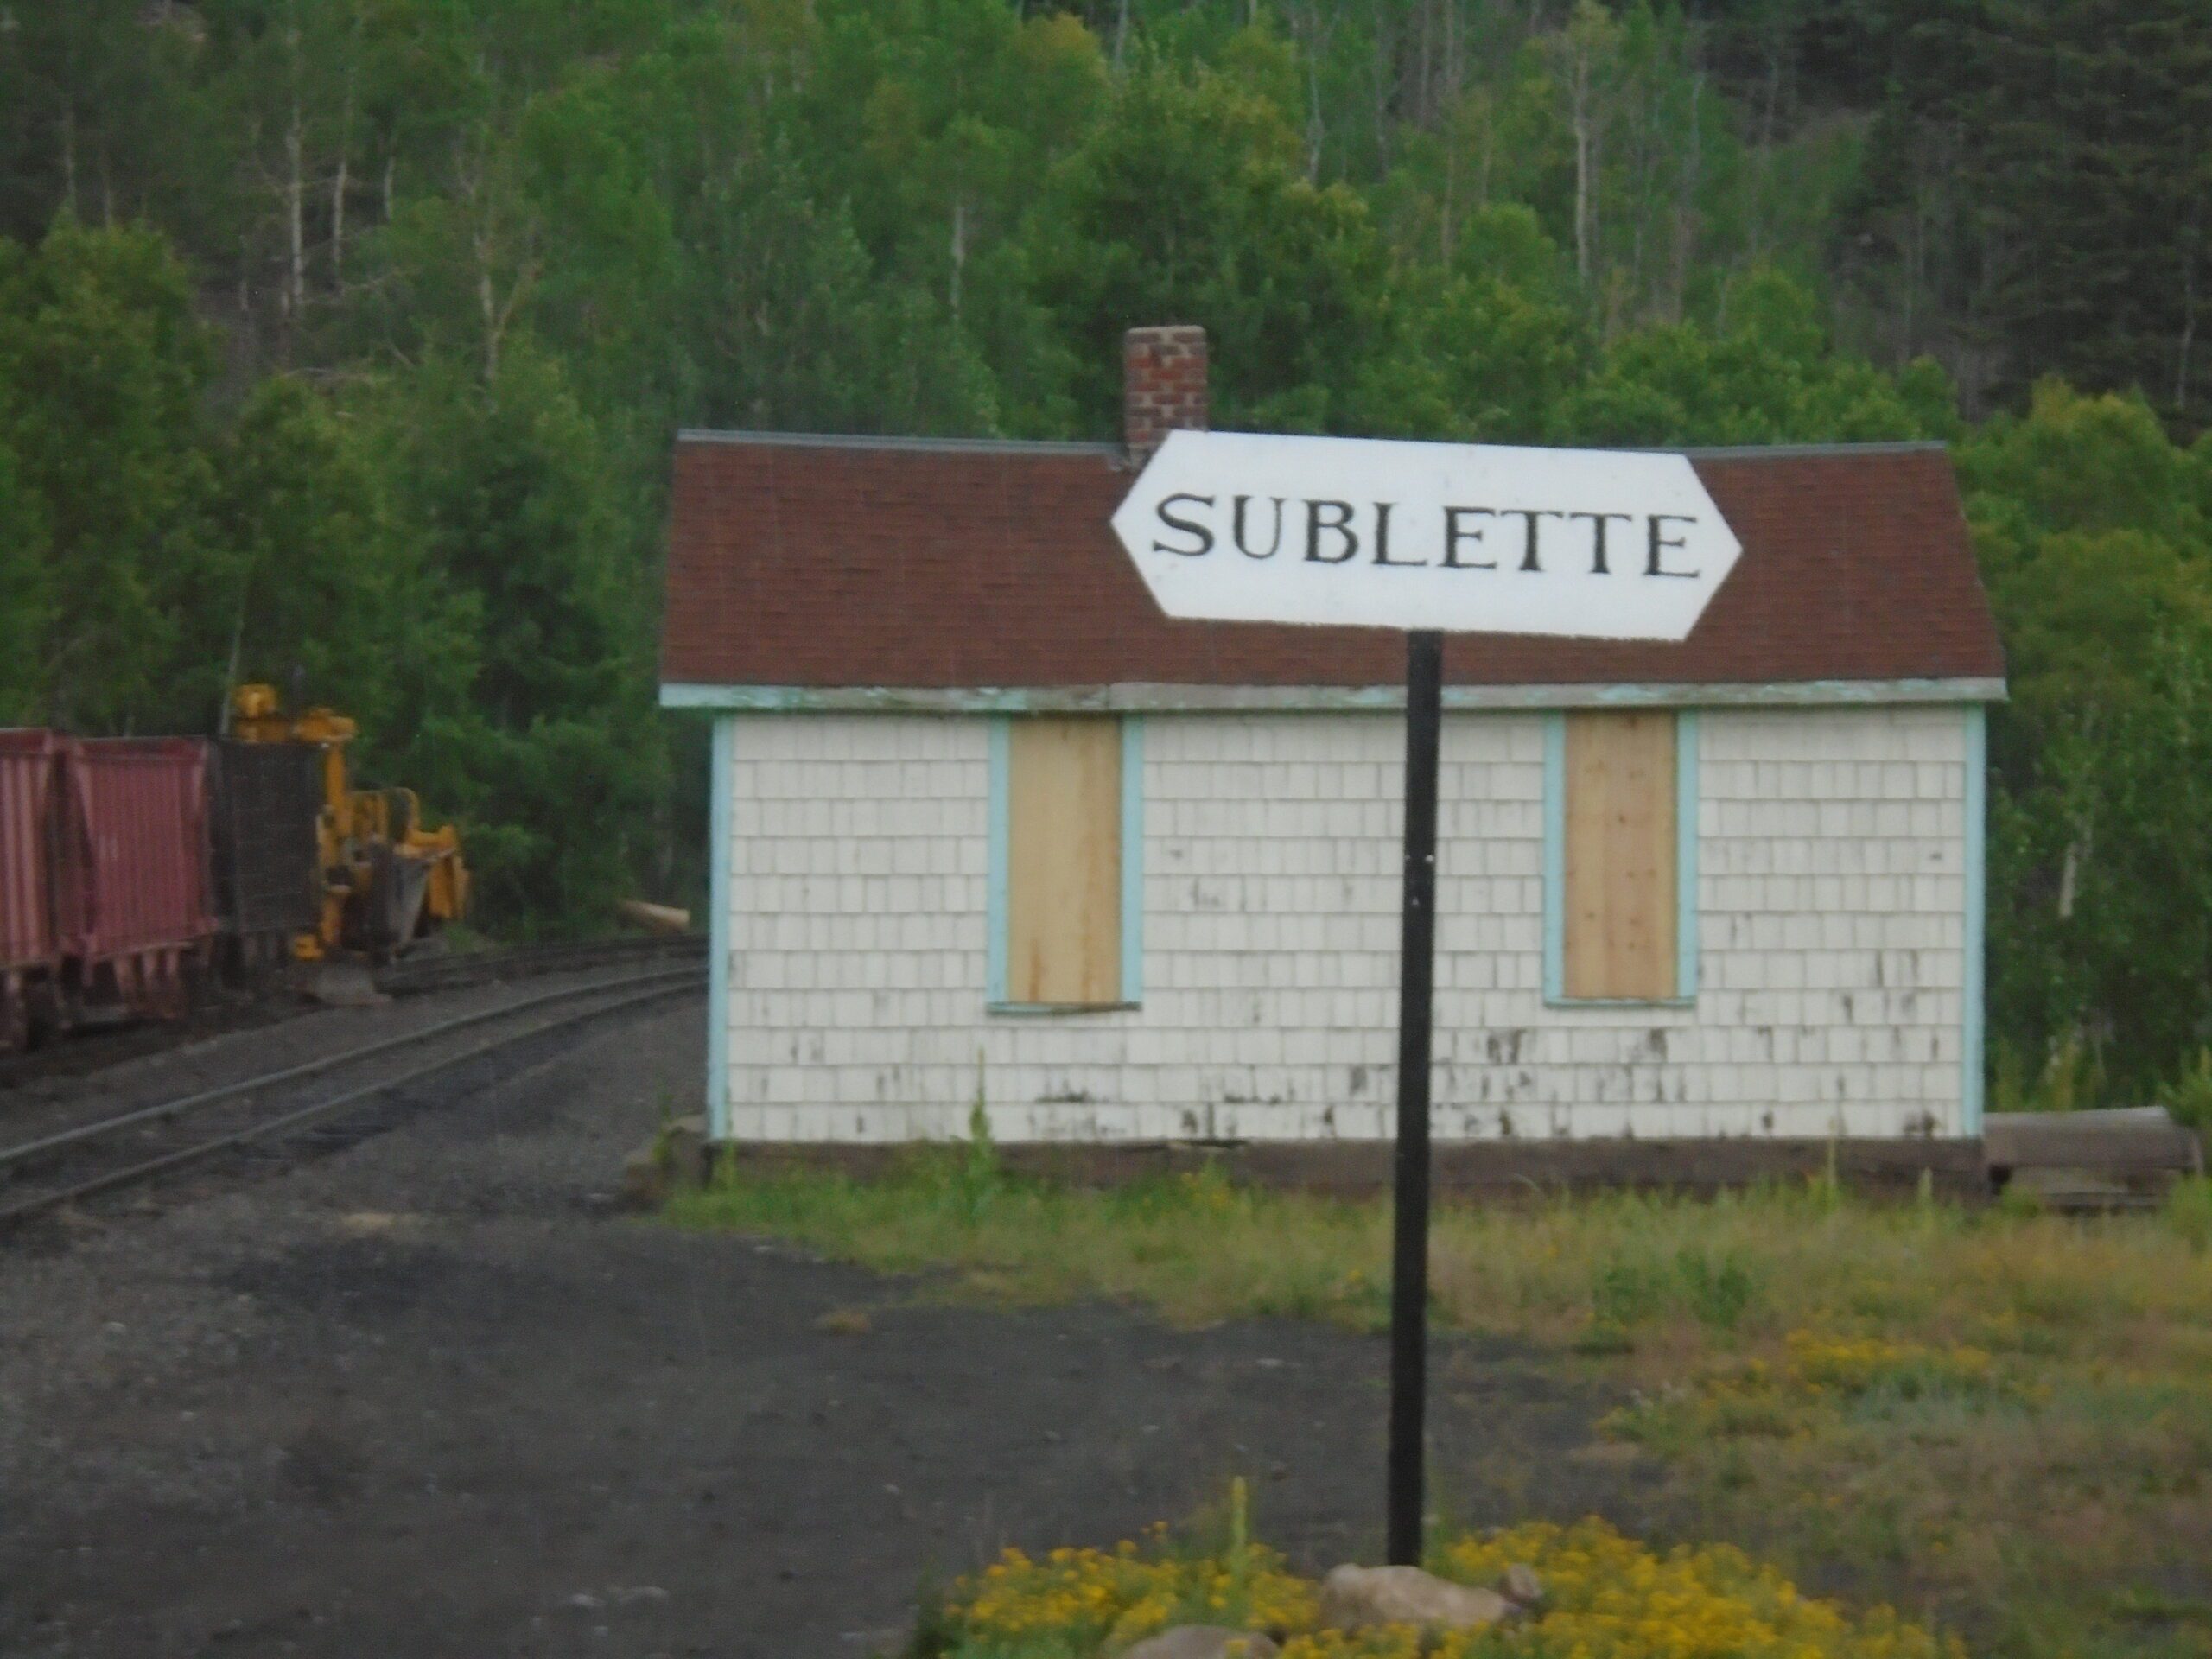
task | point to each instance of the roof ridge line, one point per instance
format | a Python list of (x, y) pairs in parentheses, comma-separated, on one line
[(1081, 446), (1802, 451), (889, 441)]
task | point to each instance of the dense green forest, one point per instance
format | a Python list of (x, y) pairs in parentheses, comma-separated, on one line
[(348, 336)]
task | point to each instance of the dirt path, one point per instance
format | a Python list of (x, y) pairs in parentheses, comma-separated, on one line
[(430, 1397)]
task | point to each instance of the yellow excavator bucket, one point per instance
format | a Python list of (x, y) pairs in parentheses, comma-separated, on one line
[(387, 880)]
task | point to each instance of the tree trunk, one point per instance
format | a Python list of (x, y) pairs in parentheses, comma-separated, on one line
[(1316, 129), (1579, 121), (2188, 339), (959, 252), (1915, 268), (1482, 174), (491, 310), (1770, 112), (296, 183), (1686, 202), (295, 290), (1382, 117), (477, 190), (1424, 109), (231, 673), (1455, 59), (338, 179), (1647, 150), (497, 312), (338, 222), (1307, 33), (2190, 260), (1445, 210), (69, 160)]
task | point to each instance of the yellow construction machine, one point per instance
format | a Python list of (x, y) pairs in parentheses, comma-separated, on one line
[(387, 882)]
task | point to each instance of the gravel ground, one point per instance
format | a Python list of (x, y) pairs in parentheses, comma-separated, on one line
[(432, 1396), (265, 1039)]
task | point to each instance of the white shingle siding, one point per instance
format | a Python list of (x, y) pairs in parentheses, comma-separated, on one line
[(1831, 888)]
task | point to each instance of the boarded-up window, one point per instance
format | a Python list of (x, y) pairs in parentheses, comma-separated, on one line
[(1063, 862), (1620, 901)]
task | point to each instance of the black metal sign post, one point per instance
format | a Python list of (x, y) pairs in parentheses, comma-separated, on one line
[(1186, 512), (1416, 977)]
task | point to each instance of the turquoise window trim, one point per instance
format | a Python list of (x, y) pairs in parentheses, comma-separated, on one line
[(995, 902), (994, 963), (1132, 861), (1554, 857), (1064, 1010), (1973, 1036), (1686, 871), (1127, 697), (722, 772), (1686, 899)]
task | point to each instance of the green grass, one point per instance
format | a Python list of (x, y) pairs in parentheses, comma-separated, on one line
[(1998, 1418), (1195, 1249)]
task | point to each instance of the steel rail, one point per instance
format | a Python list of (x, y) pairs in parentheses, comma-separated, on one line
[(23, 1209), (99, 1129), (408, 977)]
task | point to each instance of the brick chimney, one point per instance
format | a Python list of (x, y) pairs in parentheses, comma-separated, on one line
[(1163, 385)]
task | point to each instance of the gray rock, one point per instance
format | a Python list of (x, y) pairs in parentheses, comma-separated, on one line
[(1203, 1642), (1522, 1584), (1357, 1598), (680, 1156)]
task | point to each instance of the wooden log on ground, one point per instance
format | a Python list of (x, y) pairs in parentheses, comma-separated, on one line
[(654, 918), (2127, 1159), (2142, 1137)]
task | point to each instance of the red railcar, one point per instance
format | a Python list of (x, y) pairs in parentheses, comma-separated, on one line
[(29, 947), (131, 875)]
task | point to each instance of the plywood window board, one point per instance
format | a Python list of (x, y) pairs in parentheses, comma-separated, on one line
[(1063, 862), (1621, 868)]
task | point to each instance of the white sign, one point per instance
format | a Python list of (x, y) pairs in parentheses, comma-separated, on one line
[(1247, 527)]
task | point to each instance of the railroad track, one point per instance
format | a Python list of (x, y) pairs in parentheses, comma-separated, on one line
[(311, 1106), (94, 1050), (417, 974)]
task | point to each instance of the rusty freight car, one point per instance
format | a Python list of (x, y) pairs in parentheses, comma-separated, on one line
[(129, 873), (29, 951)]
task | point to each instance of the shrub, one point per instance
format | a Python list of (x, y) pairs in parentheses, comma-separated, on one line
[(1607, 1597), (2188, 1212), (2188, 1098), (1715, 1290), (1088, 1601)]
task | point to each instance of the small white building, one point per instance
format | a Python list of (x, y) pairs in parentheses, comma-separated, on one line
[(986, 824)]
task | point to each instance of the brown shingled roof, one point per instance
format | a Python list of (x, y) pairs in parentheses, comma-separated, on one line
[(876, 562)]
